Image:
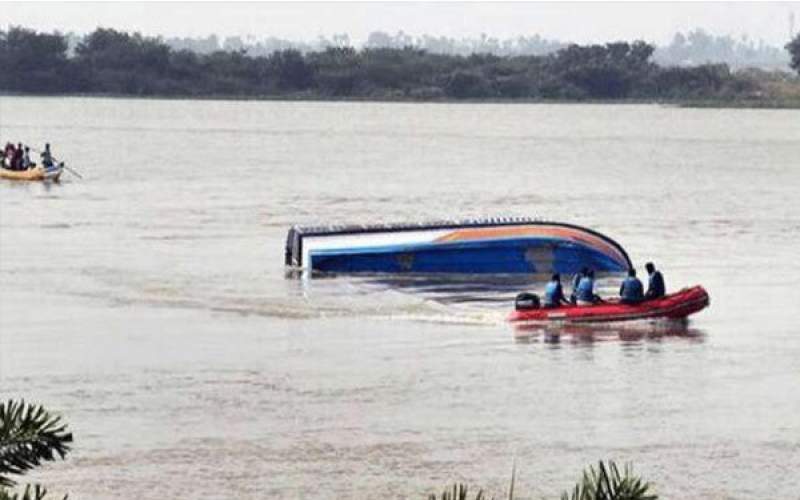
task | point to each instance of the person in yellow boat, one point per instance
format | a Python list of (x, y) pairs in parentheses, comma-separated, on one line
[(26, 159), (8, 153), (16, 158), (47, 157)]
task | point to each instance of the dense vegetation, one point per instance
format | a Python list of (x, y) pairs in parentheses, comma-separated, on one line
[(116, 63)]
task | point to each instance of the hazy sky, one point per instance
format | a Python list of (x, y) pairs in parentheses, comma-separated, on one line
[(572, 21)]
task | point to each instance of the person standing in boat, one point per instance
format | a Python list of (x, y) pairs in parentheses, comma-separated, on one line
[(631, 291), (554, 293), (585, 292), (26, 159), (16, 162), (8, 155), (47, 157), (655, 284)]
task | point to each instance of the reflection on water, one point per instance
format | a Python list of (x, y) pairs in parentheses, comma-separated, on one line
[(587, 334), (485, 300)]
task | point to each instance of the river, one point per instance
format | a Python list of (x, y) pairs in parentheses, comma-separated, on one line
[(148, 303)]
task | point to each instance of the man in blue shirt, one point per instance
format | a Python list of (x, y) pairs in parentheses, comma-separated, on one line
[(632, 290), (655, 285), (554, 292), (573, 298)]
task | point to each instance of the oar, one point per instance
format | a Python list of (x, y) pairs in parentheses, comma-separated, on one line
[(76, 174), (73, 172)]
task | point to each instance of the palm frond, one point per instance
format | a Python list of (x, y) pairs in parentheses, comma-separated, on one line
[(456, 492), (37, 492), (607, 483), (29, 435)]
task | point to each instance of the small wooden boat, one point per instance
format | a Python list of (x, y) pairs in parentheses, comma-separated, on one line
[(37, 173), (673, 306)]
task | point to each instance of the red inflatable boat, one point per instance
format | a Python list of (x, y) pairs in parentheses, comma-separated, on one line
[(675, 306)]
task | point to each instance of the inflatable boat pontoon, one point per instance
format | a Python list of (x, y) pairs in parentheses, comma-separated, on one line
[(676, 305)]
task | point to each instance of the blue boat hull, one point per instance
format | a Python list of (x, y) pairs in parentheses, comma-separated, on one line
[(504, 256)]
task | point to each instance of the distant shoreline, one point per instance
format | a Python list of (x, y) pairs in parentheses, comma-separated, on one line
[(787, 103), (110, 63)]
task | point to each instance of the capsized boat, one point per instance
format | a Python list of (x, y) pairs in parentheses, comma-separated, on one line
[(674, 306), (37, 173), (475, 246)]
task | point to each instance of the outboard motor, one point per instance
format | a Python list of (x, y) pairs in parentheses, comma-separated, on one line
[(526, 301)]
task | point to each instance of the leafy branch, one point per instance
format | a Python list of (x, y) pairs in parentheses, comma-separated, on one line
[(29, 435)]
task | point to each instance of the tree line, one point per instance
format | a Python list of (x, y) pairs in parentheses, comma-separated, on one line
[(113, 62), (692, 47)]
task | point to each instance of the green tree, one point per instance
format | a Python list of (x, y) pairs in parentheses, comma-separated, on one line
[(292, 70), (338, 70), (31, 61), (466, 85), (112, 49), (610, 71), (794, 52), (29, 435), (122, 63)]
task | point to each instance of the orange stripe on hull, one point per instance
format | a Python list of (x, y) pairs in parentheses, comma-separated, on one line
[(566, 233)]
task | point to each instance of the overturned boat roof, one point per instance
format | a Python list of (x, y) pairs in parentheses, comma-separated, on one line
[(492, 245)]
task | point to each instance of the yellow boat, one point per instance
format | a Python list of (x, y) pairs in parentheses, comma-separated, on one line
[(37, 173)]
